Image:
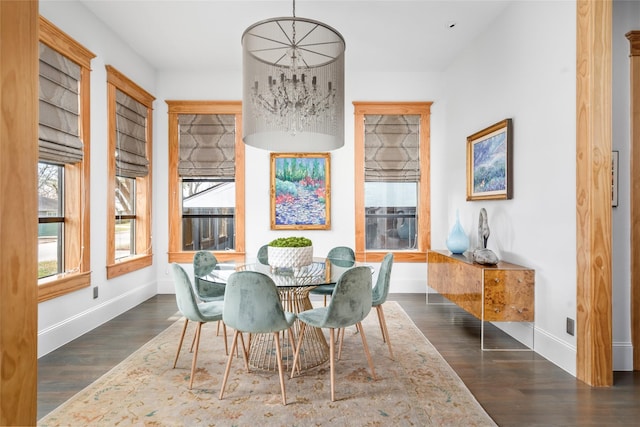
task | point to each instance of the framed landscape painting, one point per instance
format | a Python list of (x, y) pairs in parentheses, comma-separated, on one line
[(300, 191), (489, 163)]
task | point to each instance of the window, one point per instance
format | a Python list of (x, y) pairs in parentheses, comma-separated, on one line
[(392, 180), (63, 173), (125, 227), (208, 212), (129, 169), (50, 220), (206, 179)]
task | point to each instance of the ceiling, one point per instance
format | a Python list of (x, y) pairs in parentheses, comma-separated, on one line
[(382, 36)]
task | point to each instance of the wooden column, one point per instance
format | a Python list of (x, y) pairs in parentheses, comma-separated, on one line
[(593, 192), (634, 40), (18, 211)]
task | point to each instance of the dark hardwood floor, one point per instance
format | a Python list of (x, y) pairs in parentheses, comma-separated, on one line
[(515, 388)]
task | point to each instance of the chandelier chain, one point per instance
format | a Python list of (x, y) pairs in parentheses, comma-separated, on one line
[(294, 25)]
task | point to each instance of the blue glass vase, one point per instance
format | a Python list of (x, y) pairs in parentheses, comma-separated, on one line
[(458, 241)]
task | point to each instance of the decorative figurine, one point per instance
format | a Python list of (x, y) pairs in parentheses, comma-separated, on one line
[(482, 255)]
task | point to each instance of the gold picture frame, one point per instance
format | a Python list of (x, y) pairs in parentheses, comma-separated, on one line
[(489, 163), (300, 191)]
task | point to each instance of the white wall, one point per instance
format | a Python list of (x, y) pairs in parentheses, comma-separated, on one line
[(526, 71), (65, 318)]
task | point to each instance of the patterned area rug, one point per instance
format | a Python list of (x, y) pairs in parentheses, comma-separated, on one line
[(417, 389)]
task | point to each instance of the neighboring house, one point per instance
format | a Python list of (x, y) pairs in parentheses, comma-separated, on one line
[(214, 229)]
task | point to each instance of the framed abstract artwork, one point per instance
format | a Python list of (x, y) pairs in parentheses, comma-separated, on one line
[(489, 163), (300, 191)]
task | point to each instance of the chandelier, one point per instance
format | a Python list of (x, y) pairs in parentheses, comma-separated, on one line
[(293, 85)]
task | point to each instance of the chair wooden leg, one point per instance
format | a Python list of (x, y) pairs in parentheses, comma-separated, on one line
[(332, 351), (366, 349), (297, 352), (385, 331), (384, 337), (195, 353), (224, 330), (245, 353), (184, 329), (292, 339), (224, 335), (228, 368), (193, 342), (281, 375), (341, 339)]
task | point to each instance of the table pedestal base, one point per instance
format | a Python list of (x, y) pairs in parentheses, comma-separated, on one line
[(314, 351)]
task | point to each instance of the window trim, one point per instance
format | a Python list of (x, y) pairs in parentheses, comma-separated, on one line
[(144, 251), (175, 108), (77, 178), (423, 210)]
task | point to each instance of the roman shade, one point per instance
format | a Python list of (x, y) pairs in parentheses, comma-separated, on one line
[(207, 145), (59, 108), (131, 137), (391, 148)]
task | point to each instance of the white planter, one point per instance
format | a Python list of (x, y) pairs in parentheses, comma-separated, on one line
[(290, 257)]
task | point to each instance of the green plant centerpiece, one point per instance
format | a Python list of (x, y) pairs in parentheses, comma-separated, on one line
[(290, 252)]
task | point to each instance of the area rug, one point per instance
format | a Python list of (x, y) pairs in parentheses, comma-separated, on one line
[(417, 389)]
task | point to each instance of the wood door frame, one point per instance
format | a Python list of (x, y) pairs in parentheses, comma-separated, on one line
[(19, 218), (634, 54), (594, 361)]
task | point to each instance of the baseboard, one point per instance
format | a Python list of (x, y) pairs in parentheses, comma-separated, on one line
[(71, 328), (564, 355), (524, 332), (166, 286), (556, 351), (622, 356)]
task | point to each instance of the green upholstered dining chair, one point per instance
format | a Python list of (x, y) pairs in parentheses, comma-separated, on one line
[(192, 310), (379, 296), (207, 290), (263, 255), (203, 264), (252, 304), (350, 304), (342, 256)]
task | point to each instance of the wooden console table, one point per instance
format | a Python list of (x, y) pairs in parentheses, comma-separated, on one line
[(503, 292)]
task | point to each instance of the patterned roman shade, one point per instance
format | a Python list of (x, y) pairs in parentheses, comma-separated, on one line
[(391, 148), (207, 145), (131, 137), (58, 131)]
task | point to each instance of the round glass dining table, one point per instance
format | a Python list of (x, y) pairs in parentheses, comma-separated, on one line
[(294, 286)]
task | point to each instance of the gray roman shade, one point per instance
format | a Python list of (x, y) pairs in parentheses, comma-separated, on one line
[(59, 107), (207, 145), (391, 148), (131, 137)]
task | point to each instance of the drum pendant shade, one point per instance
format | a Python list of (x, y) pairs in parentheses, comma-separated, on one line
[(293, 85)]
